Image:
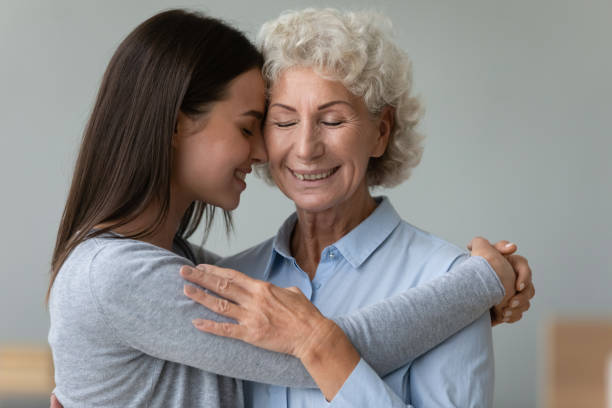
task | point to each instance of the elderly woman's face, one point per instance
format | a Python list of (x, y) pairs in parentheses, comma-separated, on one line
[(320, 138)]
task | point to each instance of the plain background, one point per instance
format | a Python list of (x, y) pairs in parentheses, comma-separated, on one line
[(518, 100)]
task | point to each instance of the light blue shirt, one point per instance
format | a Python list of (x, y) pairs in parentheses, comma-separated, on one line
[(381, 257)]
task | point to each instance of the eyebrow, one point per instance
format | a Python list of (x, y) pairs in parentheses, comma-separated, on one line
[(256, 114), (321, 107)]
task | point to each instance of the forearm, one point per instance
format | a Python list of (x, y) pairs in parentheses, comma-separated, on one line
[(394, 332)]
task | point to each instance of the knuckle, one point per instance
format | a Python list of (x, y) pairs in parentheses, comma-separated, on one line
[(226, 328), (223, 284), (222, 305)]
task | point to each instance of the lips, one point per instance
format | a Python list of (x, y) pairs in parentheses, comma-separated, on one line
[(313, 175), (242, 173)]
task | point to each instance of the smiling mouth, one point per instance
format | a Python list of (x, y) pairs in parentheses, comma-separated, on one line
[(242, 173), (313, 176)]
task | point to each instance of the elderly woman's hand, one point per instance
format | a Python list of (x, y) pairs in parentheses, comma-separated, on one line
[(267, 316), (517, 299), (276, 319)]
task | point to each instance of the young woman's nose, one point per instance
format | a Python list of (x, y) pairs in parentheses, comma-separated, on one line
[(259, 153)]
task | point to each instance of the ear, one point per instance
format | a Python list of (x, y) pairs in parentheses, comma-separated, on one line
[(386, 122)]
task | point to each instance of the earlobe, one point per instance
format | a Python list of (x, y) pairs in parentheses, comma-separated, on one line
[(385, 127)]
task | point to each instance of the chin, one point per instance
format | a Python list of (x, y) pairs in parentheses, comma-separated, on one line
[(228, 204)]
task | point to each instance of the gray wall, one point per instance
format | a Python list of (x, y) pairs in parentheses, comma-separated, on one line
[(518, 125)]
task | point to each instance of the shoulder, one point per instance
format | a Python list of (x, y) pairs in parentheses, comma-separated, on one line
[(252, 261), (435, 254), (122, 266)]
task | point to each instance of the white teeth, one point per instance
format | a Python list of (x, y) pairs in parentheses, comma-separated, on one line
[(241, 175), (314, 176)]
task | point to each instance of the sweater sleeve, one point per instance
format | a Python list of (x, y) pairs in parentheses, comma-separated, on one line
[(139, 293), (391, 333)]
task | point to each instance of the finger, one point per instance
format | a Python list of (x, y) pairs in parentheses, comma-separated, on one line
[(514, 318), (513, 314), (227, 273), (221, 285), (224, 329), (478, 243), (505, 247), (520, 301), (522, 270), (217, 304)]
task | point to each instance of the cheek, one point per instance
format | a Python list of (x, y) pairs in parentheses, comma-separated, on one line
[(273, 148)]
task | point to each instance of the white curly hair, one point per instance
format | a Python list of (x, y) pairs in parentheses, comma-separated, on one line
[(357, 49)]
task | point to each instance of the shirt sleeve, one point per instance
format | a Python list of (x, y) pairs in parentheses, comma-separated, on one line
[(365, 389), (392, 333), (457, 373)]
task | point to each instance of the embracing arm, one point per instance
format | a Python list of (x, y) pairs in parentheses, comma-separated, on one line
[(391, 333)]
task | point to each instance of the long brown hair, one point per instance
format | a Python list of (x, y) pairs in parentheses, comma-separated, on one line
[(174, 61)]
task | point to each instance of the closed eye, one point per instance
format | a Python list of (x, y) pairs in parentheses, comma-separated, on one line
[(247, 131), (284, 124), (338, 123)]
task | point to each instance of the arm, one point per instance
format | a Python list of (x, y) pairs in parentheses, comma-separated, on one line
[(139, 294), (274, 318)]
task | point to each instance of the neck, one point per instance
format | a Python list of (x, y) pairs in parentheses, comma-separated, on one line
[(316, 230)]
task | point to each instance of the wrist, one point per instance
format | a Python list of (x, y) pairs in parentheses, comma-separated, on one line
[(323, 336), (329, 357)]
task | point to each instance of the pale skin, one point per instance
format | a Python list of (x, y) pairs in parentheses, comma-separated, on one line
[(267, 316)]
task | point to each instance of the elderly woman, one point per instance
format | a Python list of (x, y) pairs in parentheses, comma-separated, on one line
[(341, 119)]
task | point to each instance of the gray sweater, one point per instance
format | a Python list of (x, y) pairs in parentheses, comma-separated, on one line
[(121, 331)]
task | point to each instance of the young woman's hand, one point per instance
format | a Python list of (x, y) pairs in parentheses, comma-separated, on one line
[(518, 295)]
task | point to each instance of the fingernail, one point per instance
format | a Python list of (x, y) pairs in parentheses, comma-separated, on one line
[(514, 303), (509, 244), (506, 319), (197, 322), (201, 267), (522, 286), (186, 270), (189, 289), (508, 313)]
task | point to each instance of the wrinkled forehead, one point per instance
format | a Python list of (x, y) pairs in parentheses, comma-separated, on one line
[(301, 81)]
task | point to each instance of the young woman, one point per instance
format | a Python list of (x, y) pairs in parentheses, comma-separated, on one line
[(175, 129)]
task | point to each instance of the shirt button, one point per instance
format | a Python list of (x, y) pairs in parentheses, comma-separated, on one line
[(331, 254), (317, 285)]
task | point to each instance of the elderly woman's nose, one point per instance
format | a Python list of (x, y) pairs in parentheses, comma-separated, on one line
[(309, 144)]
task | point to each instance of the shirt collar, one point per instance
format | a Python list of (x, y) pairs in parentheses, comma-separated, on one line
[(355, 247), (365, 238)]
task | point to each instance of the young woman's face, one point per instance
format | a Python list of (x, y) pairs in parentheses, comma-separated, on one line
[(214, 153)]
